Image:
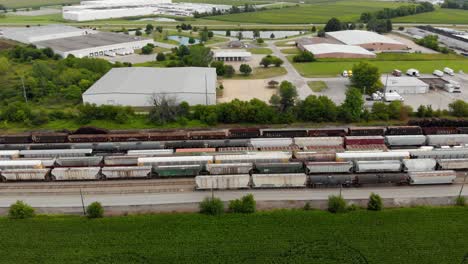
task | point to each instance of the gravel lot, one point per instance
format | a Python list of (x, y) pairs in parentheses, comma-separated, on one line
[(413, 46), (246, 90)]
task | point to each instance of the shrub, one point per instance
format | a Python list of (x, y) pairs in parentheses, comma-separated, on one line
[(229, 71), (307, 207), (304, 56), (245, 69), (95, 210), (244, 205), (20, 210), (460, 201), (212, 206), (353, 207), (375, 202), (161, 57), (336, 204)]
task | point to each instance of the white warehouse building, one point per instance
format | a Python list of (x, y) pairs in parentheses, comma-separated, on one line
[(231, 55), (137, 86), (41, 33), (404, 85)]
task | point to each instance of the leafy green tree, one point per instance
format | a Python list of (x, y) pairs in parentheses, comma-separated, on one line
[(138, 33), (277, 61), (288, 95), (245, 69), (375, 202), (95, 210), (304, 56), (351, 109), (266, 61), (421, 111), (245, 205), (380, 111), (161, 56), (200, 56), (164, 110), (220, 69), (260, 41), (366, 77), (314, 29), (147, 49), (459, 108), (229, 71), (256, 33), (4, 65), (149, 29), (191, 40), (212, 206), (20, 210), (228, 33), (334, 24), (317, 109), (336, 204)]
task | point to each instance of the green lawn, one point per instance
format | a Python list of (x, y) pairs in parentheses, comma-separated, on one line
[(441, 16), (35, 3), (290, 51), (425, 63), (265, 51), (317, 86), (409, 236), (262, 73), (320, 12)]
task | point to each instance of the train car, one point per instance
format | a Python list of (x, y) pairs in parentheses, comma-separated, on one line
[(288, 180), (447, 140), (366, 148), (229, 168), (126, 172), (170, 135), (462, 130), (128, 137), (254, 157), (53, 153), (432, 177), (329, 167), (121, 160), (174, 160), (283, 133), (318, 141), (46, 162), (366, 131), (24, 175), (269, 168), (20, 164), (195, 150), (184, 144), (244, 133), (238, 150), (9, 154), (323, 180), (314, 156), (150, 152), (332, 149), (405, 141), (39, 137), (227, 143), (272, 149), (366, 166), (403, 130), (364, 140), (380, 178), (75, 174), (90, 161), (394, 155), (222, 182), (126, 146), (21, 138), (208, 134), (327, 132), (46, 146), (452, 164), (411, 165), (439, 130), (79, 138), (271, 142), (441, 154)]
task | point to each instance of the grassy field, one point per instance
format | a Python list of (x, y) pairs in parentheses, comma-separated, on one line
[(346, 10), (414, 235), (441, 16), (262, 73), (35, 3), (265, 51), (317, 86), (290, 51), (425, 63)]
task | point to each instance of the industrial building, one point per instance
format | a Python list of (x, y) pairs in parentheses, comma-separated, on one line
[(41, 33), (337, 51), (366, 39), (93, 45), (231, 55), (137, 86), (108, 9), (404, 85)]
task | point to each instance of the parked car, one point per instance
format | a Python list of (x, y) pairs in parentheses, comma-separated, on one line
[(393, 96), (438, 73), (449, 71), (350, 73), (413, 72), (396, 73), (345, 73)]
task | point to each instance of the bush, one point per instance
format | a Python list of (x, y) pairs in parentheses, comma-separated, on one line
[(304, 56), (460, 201), (353, 208), (212, 206), (95, 210), (20, 210), (160, 57), (245, 205), (336, 204), (375, 202), (229, 71), (307, 207), (245, 69)]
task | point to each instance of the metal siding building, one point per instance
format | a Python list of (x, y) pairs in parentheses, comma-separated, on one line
[(42, 33), (326, 50), (404, 85), (366, 39), (231, 55), (136, 86)]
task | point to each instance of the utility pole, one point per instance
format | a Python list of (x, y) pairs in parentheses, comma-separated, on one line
[(24, 89), (461, 189), (82, 202)]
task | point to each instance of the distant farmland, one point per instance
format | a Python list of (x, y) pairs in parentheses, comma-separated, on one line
[(35, 3)]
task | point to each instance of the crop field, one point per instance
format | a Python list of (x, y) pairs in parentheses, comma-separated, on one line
[(35, 3), (309, 13), (412, 235), (226, 2), (425, 63), (441, 16)]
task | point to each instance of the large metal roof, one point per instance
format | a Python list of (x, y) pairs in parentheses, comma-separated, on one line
[(231, 53), (359, 37), (326, 48)]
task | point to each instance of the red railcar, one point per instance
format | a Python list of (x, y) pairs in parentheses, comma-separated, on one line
[(165, 136), (327, 132), (49, 137), (403, 130), (440, 130), (280, 133), (208, 134), (128, 137), (15, 138), (195, 150), (369, 140), (366, 131), (88, 138), (244, 133)]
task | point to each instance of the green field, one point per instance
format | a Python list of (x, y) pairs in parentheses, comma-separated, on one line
[(35, 3), (409, 236), (440, 16), (346, 10), (425, 63), (265, 51)]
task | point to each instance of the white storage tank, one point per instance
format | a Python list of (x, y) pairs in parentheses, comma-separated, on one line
[(121, 160), (21, 164), (251, 157), (409, 140), (378, 166), (229, 168), (330, 167), (150, 152), (279, 180), (411, 165), (222, 182), (318, 141), (447, 140), (70, 174), (9, 154), (271, 142), (453, 164), (432, 177), (53, 153), (126, 172), (24, 175), (79, 161), (441, 154), (175, 160), (394, 155)]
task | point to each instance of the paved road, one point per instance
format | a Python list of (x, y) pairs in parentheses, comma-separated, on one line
[(403, 193)]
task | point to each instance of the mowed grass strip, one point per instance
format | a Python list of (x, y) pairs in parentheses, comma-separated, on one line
[(317, 86), (441, 16), (345, 10), (411, 235), (261, 73), (35, 3), (265, 51)]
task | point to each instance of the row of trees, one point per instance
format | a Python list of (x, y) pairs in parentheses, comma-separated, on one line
[(432, 42), (406, 10), (233, 10), (455, 4)]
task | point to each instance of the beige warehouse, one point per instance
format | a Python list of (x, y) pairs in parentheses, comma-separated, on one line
[(366, 39)]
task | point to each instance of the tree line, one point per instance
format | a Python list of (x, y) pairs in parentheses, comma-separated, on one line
[(453, 4), (406, 10)]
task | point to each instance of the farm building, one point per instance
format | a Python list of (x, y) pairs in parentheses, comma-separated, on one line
[(41, 33), (301, 42), (93, 45), (137, 86), (369, 40), (404, 85), (337, 51), (231, 55)]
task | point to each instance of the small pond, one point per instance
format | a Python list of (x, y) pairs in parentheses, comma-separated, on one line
[(263, 34), (182, 40)]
